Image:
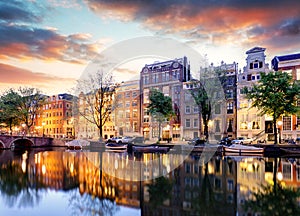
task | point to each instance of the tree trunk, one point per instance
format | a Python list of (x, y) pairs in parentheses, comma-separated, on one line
[(275, 129)]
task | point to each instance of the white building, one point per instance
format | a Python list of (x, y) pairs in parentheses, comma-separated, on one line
[(249, 122)]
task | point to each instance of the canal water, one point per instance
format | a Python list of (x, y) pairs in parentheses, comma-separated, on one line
[(98, 182)]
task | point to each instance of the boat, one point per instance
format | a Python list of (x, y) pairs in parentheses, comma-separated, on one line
[(116, 147), (153, 148), (73, 145), (242, 149), (291, 151), (200, 148)]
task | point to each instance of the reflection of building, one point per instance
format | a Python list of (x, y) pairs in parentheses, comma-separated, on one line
[(250, 178), (290, 64), (167, 77), (249, 122), (289, 172)]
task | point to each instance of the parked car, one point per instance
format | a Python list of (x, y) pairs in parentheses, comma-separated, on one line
[(114, 140), (196, 141), (226, 141), (242, 140)]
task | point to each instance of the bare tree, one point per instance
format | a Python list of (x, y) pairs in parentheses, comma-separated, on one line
[(97, 99)]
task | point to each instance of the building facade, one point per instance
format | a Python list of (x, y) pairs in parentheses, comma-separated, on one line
[(56, 119), (167, 77), (289, 125), (126, 116), (249, 122)]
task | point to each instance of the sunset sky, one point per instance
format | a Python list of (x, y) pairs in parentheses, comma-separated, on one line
[(48, 44)]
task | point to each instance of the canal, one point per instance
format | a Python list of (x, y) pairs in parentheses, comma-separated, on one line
[(98, 182)]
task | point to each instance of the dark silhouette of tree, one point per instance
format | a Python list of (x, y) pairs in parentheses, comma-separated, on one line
[(98, 97), (275, 94), (274, 200), (159, 191)]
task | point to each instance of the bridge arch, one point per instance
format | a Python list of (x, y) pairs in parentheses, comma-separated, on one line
[(21, 142)]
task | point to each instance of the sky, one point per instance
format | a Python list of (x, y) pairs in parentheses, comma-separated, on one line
[(49, 44)]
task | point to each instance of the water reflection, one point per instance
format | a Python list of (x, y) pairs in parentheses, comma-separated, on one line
[(221, 186)]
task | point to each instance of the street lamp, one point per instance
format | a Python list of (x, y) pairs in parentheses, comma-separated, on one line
[(43, 124), (23, 125)]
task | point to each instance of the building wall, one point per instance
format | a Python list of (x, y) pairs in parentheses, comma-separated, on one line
[(126, 116), (56, 119), (249, 122), (168, 77)]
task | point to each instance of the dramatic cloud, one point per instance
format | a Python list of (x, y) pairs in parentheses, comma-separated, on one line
[(21, 38), (217, 22)]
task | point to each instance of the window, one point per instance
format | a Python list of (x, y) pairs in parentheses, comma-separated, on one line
[(188, 123), (127, 94), (187, 109), (230, 108), (134, 103), (249, 76), (134, 94), (155, 78), (163, 77), (167, 76), (187, 96), (287, 123), (217, 123), (127, 104), (287, 171), (218, 109), (196, 123), (196, 109), (229, 93), (230, 185), (146, 80)]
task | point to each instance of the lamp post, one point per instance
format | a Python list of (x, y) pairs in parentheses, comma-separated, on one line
[(43, 124), (23, 125)]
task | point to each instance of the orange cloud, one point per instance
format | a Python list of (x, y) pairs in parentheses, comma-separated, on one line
[(11, 76)]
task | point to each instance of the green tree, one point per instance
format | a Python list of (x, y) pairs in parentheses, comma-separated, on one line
[(275, 94), (9, 113), (160, 108)]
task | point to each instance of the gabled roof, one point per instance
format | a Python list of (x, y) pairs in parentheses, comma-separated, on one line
[(255, 50), (288, 57)]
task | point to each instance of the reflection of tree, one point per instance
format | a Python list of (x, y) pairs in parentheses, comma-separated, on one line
[(89, 205), (274, 200), (205, 203), (16, 188), (160, 190)]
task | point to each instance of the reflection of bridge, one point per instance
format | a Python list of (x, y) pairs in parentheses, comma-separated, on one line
[(7, 141)]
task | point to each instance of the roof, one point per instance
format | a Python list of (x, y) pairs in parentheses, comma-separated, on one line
[(275, 61), (255, 50), (288, 57)]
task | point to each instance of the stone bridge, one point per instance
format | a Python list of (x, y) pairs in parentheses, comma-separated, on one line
[(7, 141)]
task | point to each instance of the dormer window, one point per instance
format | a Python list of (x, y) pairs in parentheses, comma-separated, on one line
[(256, 64)]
